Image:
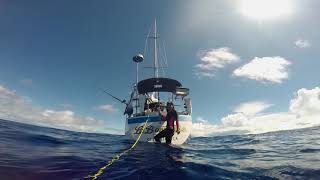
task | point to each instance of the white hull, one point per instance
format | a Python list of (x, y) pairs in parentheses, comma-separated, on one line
[(155, 125)]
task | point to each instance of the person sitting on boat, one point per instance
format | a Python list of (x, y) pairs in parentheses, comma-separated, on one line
[(171, 117), (161, 106), (161, 110)]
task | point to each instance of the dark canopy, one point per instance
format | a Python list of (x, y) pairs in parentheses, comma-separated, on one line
[(158, 85)]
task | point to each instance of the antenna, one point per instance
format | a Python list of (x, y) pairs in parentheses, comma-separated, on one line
[(137, 59)]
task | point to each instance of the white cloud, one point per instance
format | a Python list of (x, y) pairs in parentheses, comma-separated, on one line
[(304, 111), (252, 108), (235, 120), (203, 128), (200, 119), (107, 108), (302, 43), (306, 103), (265, 69), (214, 59), (209, 129), (26, 82), (204, 74), (17, 108)]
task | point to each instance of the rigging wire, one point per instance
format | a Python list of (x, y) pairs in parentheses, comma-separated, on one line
[(162, 61), (146, 42), (165, 54)]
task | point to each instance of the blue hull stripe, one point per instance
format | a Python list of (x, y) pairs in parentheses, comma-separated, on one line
[(143, 119)]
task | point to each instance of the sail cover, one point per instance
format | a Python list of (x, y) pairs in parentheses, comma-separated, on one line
[(158, 85)]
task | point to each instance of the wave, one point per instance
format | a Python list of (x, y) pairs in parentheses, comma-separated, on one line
[(31, 152)]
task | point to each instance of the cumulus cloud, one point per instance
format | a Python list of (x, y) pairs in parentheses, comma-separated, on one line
[(203, 128), (306, 103), (206, 129), (107, 108), (18, 108), (201, 119), (26, 82), (235, 120), (252, 108), (302, 43), (214, 59), (265, 69), (303, 112), (200, 74)]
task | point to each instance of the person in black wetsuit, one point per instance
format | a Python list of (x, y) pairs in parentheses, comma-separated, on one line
[(170, 118)]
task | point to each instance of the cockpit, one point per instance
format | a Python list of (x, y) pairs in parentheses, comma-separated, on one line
[(154, 93)]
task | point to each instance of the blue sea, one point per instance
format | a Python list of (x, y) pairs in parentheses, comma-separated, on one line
[(32, 152)]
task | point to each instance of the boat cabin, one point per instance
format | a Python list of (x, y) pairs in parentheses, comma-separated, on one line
[(154, 93)]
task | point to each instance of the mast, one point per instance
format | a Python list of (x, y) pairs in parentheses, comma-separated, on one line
[(155, 57), (155, 53)]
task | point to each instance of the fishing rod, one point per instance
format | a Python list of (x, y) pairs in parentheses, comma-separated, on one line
[(129, 108), (122, 101)]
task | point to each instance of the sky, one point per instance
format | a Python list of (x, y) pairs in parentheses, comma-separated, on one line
[(251, 67)]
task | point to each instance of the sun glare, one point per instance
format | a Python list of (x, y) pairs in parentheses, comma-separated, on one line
[(266, 9)]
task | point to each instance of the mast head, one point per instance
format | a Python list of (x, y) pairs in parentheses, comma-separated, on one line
[(138, 58)]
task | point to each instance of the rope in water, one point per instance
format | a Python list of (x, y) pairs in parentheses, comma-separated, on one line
[(117, 157)]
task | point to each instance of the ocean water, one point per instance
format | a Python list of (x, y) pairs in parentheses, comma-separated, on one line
[(32, 152)]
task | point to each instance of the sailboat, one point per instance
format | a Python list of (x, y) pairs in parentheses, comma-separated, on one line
[(148, 99)]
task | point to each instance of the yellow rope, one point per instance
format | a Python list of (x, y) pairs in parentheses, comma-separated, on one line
[(117, 157)]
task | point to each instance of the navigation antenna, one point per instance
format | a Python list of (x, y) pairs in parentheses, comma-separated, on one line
[(137, 59)]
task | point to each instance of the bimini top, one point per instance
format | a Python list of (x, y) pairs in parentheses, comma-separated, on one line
[(158, 85)]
